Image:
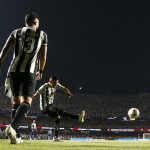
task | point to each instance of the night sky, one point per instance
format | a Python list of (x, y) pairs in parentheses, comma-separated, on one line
[(95, 47)]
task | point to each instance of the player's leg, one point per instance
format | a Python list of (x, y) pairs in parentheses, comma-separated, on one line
[(21, 112), (13, 110), (79, 117), (15, 82), (20, 116), (15, 104), (35, 134), (53, 112), (12, 132), (31, 135), (16, 101), (15, 87), (56, 129), (27, 89)]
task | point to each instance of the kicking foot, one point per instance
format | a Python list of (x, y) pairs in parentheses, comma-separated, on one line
[(81, 116), (11, 133)]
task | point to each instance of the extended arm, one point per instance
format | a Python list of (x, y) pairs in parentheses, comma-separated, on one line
[(64, 89)]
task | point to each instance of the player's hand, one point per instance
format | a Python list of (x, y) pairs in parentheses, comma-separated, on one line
[(38, 75), (69, 95)]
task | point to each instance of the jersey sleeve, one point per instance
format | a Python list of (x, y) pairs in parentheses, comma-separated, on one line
[(45, 39), (42, 88), (13, 34)]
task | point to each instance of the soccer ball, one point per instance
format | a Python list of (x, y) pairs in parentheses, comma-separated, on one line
[(133, 113)]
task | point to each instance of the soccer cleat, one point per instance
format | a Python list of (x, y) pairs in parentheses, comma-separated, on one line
[(11, 133), (81, 116)]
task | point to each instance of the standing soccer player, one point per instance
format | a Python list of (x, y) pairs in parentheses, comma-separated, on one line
[(47, 93), (33, 135), (27, 43)]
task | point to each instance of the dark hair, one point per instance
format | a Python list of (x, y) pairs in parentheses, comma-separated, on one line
[(53, 77), (30, 17)]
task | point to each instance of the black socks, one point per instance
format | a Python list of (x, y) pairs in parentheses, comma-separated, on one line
[(20, 114), (13, 110), (56, 128)]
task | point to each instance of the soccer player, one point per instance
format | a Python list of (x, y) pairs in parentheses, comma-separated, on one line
[(49, 134), (47, 93), (27, 42), (33, 130)]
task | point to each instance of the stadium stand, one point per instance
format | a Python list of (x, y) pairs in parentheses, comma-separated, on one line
[(102, 112)]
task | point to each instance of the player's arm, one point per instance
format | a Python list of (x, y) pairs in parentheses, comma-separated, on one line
[(8, 45), (64, 89), (42, 59), (40, 91)]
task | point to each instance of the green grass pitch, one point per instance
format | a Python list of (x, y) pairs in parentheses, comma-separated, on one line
[(76, 145)]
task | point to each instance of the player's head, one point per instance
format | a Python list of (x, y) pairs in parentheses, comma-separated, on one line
[(53, 80), (34, 121), (32, 19)]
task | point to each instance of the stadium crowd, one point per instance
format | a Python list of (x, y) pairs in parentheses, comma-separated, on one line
[(100, 109), (102, 112)]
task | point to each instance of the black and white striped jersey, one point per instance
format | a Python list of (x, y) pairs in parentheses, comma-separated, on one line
[(28, 42), (47, 94)]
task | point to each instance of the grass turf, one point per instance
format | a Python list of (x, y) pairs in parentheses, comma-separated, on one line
[(76, 145)]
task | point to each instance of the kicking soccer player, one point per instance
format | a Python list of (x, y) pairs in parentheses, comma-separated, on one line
[(47, 93), (27, 43)]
